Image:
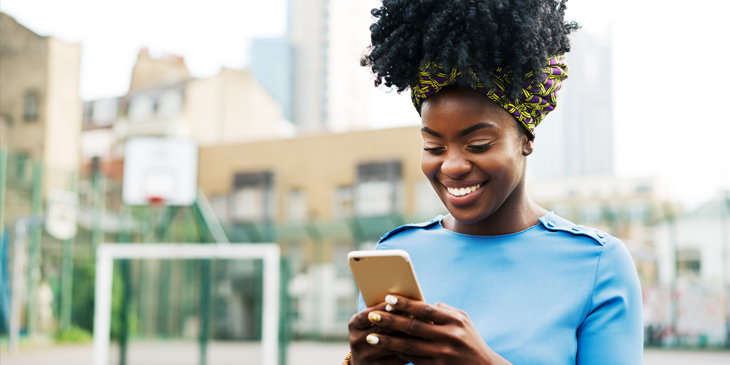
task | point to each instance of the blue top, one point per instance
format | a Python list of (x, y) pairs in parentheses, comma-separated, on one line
[(555, 293)]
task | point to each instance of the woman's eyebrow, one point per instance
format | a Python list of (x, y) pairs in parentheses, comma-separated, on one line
[(463, 133), (476, 127), (431, 132)]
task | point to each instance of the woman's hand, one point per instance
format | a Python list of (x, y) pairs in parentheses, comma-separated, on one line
[(363, 353), (439, 334)]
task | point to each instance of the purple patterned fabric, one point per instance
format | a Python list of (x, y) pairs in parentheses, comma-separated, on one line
[(536, 100)]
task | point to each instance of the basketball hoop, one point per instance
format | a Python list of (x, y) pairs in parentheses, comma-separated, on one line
[(155, 201)]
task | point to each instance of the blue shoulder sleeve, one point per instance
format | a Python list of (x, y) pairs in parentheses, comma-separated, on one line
[(394, 232), (612, 332)]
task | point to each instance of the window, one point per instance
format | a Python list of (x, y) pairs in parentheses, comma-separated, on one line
[(342, 202), (30, 106), (428, 203), (141, 108), (376, 192), (253, 197), (689, 263), (21, 166), (346, 307), (219, 203), (591, 214), (296, 206), (170, 104), (638, 212), (342, 267), (104, 112)]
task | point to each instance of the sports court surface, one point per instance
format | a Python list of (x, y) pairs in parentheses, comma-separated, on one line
[(240, 353)]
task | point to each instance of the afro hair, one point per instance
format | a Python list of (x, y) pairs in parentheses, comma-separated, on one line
[(472, 36)]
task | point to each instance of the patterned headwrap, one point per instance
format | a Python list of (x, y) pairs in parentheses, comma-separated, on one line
[(535, 101)]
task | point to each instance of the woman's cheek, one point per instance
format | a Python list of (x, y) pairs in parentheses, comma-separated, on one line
[(428, 165)]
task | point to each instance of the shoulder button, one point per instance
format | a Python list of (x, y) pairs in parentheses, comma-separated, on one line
[(550, 224)]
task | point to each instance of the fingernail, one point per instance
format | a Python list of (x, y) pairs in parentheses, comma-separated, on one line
[(388, 307), (391, 299), (372, 339), (374, 317)]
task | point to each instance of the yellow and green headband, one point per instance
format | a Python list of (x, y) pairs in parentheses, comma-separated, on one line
[(536, 99)]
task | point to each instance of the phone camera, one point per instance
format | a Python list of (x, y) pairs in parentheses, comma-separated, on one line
[(357, 259)]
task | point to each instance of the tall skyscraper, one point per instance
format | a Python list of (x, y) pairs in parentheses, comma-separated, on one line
[(314, 71), (577, 138)]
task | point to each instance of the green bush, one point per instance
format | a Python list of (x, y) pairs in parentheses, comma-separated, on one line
[(73, 334)]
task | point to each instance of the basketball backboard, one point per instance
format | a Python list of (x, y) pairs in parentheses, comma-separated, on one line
[(160, 170)]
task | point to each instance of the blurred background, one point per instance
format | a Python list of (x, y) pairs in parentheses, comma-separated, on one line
[(144, 122)]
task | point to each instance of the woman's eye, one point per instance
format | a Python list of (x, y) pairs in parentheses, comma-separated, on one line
[(479, 148), (435, 150)]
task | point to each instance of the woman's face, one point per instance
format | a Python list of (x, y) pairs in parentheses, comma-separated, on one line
[(473, 154)]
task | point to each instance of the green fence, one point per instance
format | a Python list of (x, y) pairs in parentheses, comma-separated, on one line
[(161, 299)]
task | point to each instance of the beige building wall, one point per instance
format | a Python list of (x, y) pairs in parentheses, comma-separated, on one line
[(316, 164), (48, 68), (63, 122), (23, 69), (150, 71), (230, 107)]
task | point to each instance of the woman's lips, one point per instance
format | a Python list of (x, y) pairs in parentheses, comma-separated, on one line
[(459, 192), (465, 194)]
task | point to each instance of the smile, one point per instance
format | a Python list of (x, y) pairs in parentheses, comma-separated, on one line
[(463, 191)]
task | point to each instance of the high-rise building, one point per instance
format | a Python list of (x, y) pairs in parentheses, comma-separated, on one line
[(272, 64), (314, 71), (577, 138)]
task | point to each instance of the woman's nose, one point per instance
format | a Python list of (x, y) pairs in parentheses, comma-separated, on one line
[(455, 165)]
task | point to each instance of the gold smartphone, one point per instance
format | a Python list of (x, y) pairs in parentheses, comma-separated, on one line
[(382, 272)]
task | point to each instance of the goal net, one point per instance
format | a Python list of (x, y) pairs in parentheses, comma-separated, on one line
[(269, 254)]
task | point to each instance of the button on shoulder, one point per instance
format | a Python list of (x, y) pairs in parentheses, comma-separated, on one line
[(556, 223)]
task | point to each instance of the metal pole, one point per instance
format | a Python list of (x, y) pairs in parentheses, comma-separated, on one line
[(67, 271), (724, 242), (204, 310), (671, 219), (284, 312), (3, 183), (18, 283), (97, 233), (318, 292), (206, 220), (34, 254), (204, 286), (103, 304), (124, 237)]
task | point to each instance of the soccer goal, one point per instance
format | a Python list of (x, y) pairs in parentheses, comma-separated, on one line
[(107, 253)]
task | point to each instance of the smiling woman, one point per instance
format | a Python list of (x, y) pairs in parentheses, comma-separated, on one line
[(506, 281)]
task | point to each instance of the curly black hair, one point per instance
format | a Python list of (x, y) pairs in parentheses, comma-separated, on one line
[(473, 36)]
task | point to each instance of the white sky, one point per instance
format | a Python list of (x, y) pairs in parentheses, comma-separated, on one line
[(670, 60)]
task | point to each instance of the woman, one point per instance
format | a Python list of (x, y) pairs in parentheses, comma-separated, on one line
[(512, 282)]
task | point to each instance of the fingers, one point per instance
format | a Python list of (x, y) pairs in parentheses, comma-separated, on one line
[(360, 321), (408, 348), (399, 324), (439, 313)]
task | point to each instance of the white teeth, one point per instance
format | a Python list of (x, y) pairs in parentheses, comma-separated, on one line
[(463, 191)]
